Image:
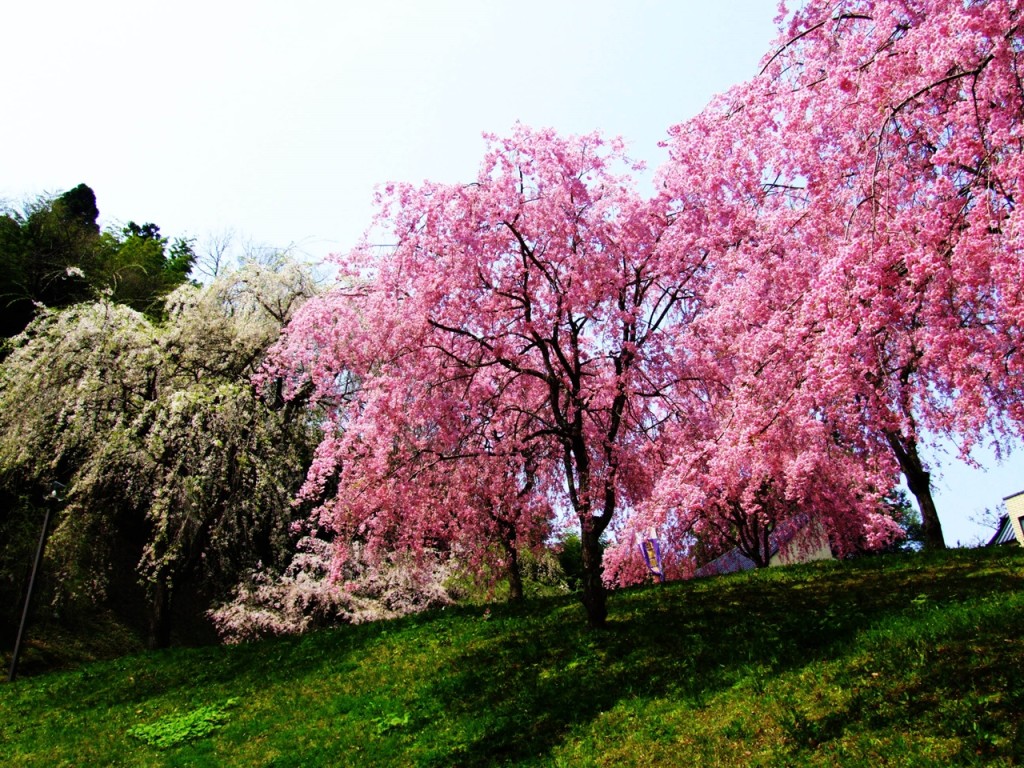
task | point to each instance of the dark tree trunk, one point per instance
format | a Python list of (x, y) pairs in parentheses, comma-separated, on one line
[(508, 541), (515, 576), (594, 596), (920, 483), (752, 537), (159, 616)]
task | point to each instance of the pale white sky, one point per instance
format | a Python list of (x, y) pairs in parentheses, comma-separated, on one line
[(277, 119)]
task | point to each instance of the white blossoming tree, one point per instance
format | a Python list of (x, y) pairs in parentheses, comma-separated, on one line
[(174, 465)]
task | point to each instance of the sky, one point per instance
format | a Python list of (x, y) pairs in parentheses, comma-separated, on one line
[(274, 121)]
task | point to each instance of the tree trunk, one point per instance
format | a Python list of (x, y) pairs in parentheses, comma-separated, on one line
[(594, 597), (159, 616), (515, 576), (920, 483)]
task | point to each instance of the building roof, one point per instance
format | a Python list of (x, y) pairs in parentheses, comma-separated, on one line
[(734, 560), (1004, 533), (731, 562)]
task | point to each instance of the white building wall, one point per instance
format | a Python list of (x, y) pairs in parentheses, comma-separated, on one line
[(810, 543), (1015, 509)]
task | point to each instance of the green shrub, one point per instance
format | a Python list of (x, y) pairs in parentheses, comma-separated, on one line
[(181, 728)]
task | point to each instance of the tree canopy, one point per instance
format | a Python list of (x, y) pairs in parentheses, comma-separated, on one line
[(175, 467), (829, 268), (53, 254), (873, 167)]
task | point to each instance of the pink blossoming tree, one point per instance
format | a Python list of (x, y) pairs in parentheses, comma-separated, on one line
[(877, 159), (507, 354), (754, 454)]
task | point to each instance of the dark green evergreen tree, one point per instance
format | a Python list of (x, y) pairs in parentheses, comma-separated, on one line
[(54, 254)]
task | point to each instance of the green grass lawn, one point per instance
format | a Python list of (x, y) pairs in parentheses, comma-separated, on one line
[(897, 660)]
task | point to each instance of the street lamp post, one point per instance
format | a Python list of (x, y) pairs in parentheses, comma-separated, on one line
[(51, 501)]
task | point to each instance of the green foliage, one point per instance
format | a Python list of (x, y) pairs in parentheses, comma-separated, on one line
[(78, 205), (541, 572), (52, 253), (181, 728), (45, 251), (140, 268), (909, 519), (570, 557), (835, 663), (388, 722)]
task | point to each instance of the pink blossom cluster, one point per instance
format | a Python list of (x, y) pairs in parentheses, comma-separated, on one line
[(866, 183), (830, 268), (305, 595)]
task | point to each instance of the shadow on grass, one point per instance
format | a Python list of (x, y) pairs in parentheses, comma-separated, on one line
[(512, 684), (180, 672), (517, 696)]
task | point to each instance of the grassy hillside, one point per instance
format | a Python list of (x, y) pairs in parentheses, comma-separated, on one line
[(898, 660)]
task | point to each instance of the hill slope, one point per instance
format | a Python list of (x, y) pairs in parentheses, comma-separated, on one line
[(897, 660)]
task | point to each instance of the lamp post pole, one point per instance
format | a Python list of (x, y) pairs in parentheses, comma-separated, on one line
[(51, 500)]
